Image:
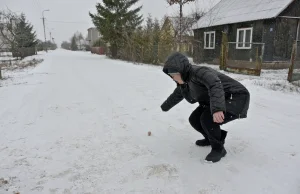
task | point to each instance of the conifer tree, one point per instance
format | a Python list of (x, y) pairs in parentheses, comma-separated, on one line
[(74, 43), (24, 33), (116, 21)]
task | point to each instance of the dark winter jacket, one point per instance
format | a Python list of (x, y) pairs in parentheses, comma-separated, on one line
[(207, 87)]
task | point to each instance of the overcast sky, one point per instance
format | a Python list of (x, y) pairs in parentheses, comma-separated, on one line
[(68, 16)]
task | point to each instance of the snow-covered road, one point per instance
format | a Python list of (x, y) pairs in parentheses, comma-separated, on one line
[(78, 123)]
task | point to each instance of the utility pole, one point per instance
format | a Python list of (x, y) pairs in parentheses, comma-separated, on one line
[(181, 3), (45, 29), (50, 41)]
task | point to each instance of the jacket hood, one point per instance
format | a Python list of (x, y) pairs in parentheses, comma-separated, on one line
[(178, 62)]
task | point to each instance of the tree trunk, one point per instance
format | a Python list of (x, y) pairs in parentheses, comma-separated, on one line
[(0, 72), (114, 50), (180, 26)]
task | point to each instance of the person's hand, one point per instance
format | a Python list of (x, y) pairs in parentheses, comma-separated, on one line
[(218, 117)]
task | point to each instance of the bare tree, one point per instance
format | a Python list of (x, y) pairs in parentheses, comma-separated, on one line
[(181, 3), (7, 26), (80, 39), (187, 23)]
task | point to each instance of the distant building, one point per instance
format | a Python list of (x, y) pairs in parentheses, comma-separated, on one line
[(93, 35), (171, 30)]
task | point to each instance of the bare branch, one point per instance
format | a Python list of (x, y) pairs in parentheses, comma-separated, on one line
[(7, 28)]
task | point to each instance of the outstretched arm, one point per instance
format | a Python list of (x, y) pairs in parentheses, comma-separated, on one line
[(172, 100)]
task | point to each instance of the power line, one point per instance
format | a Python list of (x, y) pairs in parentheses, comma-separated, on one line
[(67, 22)]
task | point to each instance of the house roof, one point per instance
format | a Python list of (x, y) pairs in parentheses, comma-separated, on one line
[(91, 28), (236, 11)]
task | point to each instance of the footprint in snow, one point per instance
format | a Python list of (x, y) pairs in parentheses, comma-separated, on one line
[(238, 146), (162, 171), (212, 189), (62, 174)]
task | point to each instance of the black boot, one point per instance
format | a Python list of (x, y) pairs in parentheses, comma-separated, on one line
[(217, 152), (202, 142), (205, 142)]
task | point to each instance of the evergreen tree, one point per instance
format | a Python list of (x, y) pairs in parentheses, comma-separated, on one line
[(99, 43), (25, 36), (149, 24), (74, 43), (156, 31), (116, 21), (156, 40), (148, 30)]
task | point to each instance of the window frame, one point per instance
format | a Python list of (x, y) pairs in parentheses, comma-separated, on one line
[(244, 38), (214, 42)]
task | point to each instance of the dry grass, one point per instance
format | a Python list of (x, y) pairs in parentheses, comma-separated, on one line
[(20, 64), (16, 64)]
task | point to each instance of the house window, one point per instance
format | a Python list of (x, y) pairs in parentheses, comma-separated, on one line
[(209, 40), (244, 38)]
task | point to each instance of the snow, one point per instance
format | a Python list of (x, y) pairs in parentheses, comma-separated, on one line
[(79, 123), (236, 11)]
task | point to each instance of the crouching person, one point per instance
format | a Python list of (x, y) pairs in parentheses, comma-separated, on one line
[(221, 100)]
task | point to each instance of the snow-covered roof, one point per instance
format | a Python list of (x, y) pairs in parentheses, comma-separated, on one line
[(236, 11)]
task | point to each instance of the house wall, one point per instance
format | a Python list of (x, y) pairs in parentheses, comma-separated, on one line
[(213, 55), (292, 10), (257, 37), (93, 35), (269, 32), (202, 55), (286, 32)]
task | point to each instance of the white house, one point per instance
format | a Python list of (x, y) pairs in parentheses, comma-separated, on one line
[(93, 35)]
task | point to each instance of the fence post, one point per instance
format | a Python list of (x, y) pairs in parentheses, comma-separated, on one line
[(223, 51), (222, 56), (258, 61), (291, 68)]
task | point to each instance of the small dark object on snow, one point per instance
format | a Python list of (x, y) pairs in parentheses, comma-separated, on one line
[(149, 133), (3, 182)]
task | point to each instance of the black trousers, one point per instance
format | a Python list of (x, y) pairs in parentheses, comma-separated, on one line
[(201, 119)]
